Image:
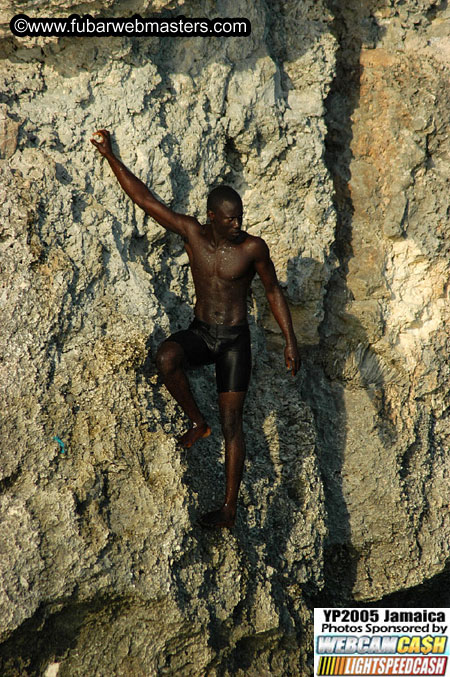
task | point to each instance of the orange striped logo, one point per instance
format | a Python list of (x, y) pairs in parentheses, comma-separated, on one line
[(332, 665)]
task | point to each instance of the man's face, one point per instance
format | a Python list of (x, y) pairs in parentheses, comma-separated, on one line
[(227, 219)]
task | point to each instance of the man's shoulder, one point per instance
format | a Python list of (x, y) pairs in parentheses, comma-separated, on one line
[(193, 228), (194, 224), (256, 245)]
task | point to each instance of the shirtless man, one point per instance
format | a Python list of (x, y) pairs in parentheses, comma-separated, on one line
[(224, 260)]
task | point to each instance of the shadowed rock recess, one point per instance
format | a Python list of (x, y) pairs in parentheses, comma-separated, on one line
[(332, 121)]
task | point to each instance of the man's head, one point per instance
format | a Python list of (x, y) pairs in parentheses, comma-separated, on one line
[(222, 194), (224, 207)]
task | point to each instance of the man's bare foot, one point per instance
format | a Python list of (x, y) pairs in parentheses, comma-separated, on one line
[(222, 518), (193, 434)]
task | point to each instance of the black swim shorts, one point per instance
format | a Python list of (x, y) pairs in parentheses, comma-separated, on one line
[(228, 347)]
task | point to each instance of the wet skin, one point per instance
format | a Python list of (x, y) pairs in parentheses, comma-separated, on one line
[(223, 259)]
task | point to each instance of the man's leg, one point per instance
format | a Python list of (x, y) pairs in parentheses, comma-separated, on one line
[(231, 407), (169, 360)]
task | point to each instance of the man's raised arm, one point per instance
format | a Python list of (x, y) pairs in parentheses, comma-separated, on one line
[(278, 305), (138, 191)]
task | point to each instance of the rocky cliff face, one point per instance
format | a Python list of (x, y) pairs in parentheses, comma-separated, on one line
[(332, 122), (383, 350)]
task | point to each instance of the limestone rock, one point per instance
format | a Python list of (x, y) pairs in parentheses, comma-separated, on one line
[(382, 342), (332, 122)]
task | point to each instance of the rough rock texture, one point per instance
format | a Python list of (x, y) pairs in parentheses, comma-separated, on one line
[(381, 368), (332, 122)]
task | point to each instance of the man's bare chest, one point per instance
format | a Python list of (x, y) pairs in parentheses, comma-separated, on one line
[(226, 263)]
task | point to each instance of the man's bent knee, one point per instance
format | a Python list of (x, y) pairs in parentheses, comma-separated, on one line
[(169, 357)]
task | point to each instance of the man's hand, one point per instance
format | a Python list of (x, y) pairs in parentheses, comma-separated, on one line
[(138, 191), (292, 358), (102, 141)]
